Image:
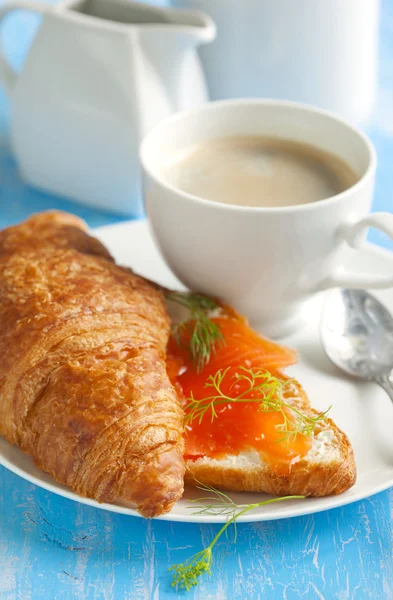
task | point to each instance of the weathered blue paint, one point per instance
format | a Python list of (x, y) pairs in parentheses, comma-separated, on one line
[(55, 549)]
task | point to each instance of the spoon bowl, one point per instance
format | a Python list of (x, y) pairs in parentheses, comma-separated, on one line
[(357, 335)]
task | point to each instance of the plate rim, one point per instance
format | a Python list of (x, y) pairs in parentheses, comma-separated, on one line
[(342, 500)]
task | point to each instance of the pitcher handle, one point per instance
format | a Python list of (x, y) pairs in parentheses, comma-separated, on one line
[(8, 75), (353, 235)]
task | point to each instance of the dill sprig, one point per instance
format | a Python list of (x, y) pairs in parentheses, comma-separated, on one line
[(204, 334), (271, 398), (186, 575), (219, 504)]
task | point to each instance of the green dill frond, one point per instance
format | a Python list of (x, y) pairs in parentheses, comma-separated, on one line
[(186, 575), (272, 399), (205, 335)]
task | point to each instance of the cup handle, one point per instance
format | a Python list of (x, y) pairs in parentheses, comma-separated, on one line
[(353, 234), (7, 74)]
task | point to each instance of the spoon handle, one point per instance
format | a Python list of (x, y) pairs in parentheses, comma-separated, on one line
[(386, 382)]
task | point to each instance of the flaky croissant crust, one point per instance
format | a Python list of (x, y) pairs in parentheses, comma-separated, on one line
[(83, 382)]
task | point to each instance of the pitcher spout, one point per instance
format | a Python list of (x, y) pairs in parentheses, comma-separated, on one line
[(165, 55), (115, 15), (197, 24)]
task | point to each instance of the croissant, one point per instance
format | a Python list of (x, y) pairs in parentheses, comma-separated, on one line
[(83, 383)]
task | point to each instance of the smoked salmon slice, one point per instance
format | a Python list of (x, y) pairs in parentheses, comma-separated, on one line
[(244, 347), (239, 426), (241, 346)]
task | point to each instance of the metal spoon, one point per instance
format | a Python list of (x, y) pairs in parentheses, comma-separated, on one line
[(357, 335)]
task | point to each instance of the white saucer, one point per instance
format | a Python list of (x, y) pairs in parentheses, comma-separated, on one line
[(362, 410)]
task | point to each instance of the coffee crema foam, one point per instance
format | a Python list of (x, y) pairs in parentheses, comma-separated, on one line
[(259, 171)]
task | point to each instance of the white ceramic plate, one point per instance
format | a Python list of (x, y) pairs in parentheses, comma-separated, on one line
[(362, 410)]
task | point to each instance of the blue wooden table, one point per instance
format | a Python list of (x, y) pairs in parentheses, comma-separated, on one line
[(54, 549)]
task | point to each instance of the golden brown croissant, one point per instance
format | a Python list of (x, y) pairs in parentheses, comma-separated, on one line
[(83, 382)]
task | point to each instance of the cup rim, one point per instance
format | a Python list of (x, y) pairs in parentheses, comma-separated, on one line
[(289, 104)]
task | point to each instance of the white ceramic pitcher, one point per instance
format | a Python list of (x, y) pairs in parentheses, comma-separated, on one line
[(99, 75)]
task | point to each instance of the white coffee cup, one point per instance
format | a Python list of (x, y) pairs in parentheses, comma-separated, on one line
[(266, 262)]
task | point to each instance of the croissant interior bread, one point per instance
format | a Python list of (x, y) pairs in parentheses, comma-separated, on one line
[(83, 383)]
